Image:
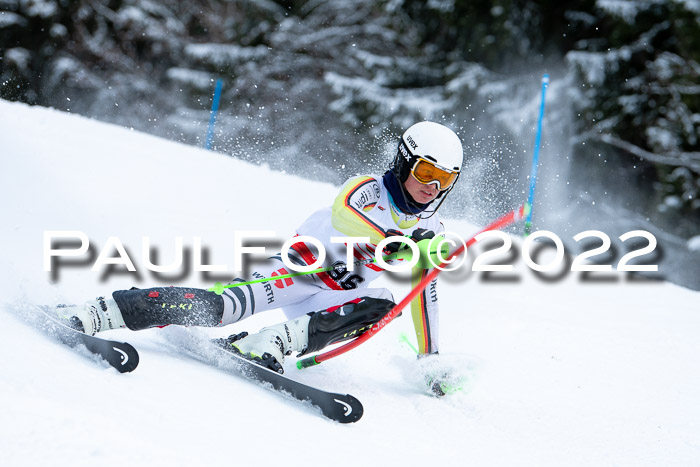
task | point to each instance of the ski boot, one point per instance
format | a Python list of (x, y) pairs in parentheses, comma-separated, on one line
[(268, 347), (93, 316), (309, 333)]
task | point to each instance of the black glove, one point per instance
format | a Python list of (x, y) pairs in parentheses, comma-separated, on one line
[(436, 380), (421, 234), (416, 236), (394, 246)]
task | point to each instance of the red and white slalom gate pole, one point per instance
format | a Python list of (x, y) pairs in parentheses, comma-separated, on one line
[(510, 218)]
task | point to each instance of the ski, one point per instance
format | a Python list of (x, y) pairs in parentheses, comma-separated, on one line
[(342, 408), (120, 355)]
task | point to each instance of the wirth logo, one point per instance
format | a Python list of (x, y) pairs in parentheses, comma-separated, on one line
[(411, 142), (268, 288), (433, 292)]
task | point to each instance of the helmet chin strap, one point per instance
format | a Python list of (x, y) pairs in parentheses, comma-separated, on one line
[(413, 203), (399, 168)]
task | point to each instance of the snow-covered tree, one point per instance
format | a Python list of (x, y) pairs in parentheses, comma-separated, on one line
[(639, 66), (321, 87)]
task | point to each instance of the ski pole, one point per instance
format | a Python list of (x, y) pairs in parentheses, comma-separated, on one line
[(219, 287), (535, 161), (214, 111), (503, 221)]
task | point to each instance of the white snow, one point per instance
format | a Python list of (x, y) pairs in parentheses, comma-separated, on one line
[(19, 57), (569, 372), (7, 18), (692, 5), (39, 8), (627, 10), (593, 65), (349, 90), (694, 243), (195, 78), (472, 77), (225, 54)]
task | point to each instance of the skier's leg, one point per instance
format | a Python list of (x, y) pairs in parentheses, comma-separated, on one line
[(349, 320), (101, 314), (332, 298), (244, 301), (160, 306), (146, 308)]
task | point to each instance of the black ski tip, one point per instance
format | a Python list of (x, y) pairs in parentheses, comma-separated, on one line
[(348, 409), (128, 357), (120, 355)]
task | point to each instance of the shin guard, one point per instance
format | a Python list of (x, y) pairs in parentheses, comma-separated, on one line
[(345, 322), (161, 306)]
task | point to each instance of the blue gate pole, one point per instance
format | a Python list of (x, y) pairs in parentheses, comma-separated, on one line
[(535, 161), (212, 116)]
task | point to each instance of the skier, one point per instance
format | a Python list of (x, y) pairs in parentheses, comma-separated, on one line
[(322, 308)]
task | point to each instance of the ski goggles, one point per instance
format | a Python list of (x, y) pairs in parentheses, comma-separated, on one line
[(427, 172)]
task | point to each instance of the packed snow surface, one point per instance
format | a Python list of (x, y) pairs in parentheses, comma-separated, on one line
[(574, 370)]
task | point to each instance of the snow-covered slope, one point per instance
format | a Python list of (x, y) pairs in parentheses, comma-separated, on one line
[(566, 372)]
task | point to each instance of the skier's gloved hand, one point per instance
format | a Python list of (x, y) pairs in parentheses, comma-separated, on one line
[(422, 234), (394, 246), (438, 380), (416, 236), (424, 357), (433, 378), (431, 253)]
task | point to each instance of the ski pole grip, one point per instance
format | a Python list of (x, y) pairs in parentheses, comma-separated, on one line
[(432, 255), (307, 362)]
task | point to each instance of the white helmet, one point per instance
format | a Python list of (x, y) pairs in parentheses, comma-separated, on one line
[(440, 147), (434, 142)]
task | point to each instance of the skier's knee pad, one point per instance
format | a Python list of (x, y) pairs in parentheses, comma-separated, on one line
[(345, 322), (160, 306)]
